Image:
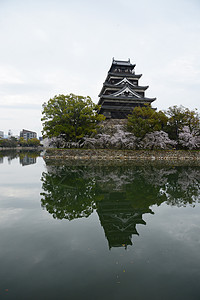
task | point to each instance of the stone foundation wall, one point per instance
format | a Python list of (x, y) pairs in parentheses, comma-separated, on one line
[(172, 156), (109, 126)]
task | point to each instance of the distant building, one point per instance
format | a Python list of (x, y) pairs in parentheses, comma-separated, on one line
[(1, 134), (27, 160), (9, 133), (27, 134)]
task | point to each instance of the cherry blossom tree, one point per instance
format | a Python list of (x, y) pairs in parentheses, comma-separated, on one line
[(189, 139), (157, 140), (120, 139), (123, 139)]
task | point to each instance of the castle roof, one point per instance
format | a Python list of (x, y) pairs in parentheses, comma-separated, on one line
[(122, 62), (121, 85), (121, 90)]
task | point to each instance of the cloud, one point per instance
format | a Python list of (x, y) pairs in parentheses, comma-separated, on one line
[(50, 48), (21, 106), (10, 75), (183, 70)]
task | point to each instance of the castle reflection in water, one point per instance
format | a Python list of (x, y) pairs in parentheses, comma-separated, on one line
[(121, 195)]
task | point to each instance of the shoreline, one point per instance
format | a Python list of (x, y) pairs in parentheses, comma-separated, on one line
[(39, 148), (74, 156)]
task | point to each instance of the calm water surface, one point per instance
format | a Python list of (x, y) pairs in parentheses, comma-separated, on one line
[(97, 232)]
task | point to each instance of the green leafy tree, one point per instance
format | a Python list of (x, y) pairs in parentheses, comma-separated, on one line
[(22, 142), (70, 117), (178, 117), (9, 143), (34, 142), (144, 120)]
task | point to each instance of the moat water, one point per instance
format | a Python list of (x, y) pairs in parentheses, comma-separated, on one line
[(98, 232)]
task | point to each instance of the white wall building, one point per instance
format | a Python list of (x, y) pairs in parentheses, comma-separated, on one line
[(27, 134)]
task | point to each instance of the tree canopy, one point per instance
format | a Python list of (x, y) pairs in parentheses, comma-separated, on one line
[(178, 118), (11, 142), (144, 120), (70, 117), (71, 121)]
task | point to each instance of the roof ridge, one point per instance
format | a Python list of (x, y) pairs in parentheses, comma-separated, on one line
[(126, 86)]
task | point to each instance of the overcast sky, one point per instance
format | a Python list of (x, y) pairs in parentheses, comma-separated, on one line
[(51, 47)]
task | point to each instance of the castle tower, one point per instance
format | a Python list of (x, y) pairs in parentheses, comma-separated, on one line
[(121, 91)]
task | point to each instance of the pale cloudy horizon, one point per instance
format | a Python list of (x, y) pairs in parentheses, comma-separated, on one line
[(59, 47)]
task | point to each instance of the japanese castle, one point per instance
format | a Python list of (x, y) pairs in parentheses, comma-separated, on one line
[(121, 91)]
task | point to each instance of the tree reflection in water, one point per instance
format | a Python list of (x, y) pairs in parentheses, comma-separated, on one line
[(26, 157), (121, 195), (67, 193)]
